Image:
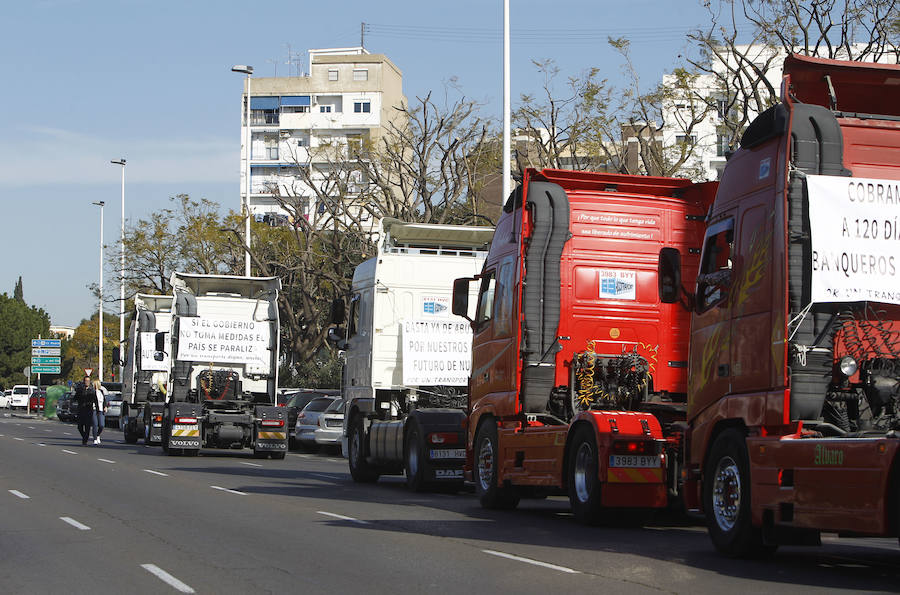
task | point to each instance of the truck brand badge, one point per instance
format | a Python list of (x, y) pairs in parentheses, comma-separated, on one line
[(435, 305), (764, 167), (828, 456), (614, 333)]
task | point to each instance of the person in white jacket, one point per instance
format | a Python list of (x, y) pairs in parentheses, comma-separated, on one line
[(99, 411)]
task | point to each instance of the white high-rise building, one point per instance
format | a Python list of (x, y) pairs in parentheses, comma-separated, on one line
[(313, 121)]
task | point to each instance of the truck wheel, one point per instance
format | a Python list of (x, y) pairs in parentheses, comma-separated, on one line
[(582, 481), (487, 462), (130, 437), (360, 469), (278, 455), (415, 473), (726, 498)]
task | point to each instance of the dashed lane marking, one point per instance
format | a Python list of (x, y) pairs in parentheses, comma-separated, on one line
[(67, 433), (40, 444), (167, 578), (106, 460), (74, 523), (530, 561), (342, 517), (17, 438), (19, 494), (250, 464), (71, 452), (229, 491), (156, 472), (326, 476)]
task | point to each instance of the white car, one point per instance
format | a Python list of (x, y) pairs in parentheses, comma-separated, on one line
[(331, 425), (21, 393), (4, 398)]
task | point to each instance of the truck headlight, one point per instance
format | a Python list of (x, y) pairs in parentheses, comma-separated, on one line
[(848, 366)]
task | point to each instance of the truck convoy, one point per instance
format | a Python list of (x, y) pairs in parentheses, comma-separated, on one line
[(406, 357), (579, 376), (789, 388), (209, 377), (146, 379)]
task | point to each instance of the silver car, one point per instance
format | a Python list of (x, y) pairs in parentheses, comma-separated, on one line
[(331, 425), (308, 421), (113, 409)]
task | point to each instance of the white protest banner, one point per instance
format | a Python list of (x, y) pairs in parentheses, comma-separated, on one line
[(148, 349), (855, 233), (223, 340), (436, 352)]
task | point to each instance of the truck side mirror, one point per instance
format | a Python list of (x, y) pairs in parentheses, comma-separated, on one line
[(337, 313), (337, 337), (669, 275), (116, 355), (160, 341), (461, 297)]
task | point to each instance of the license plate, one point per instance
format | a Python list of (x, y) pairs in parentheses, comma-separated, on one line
[(448, 453), (640, 461), (176, 427)]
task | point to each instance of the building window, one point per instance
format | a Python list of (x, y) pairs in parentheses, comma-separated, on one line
[(721, 145), (683, 139), (360, 74), (722, 108), (300, 143), (263, 117), (354, 144), (325, 109), (295, 109), (332, 74), (362, 107)]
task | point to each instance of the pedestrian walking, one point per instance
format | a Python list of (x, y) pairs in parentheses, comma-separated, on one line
[(86, 398), (99, 413)]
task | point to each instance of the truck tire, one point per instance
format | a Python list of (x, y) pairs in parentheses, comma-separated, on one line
[(726, 498), (360, 469), (485, 471), (130, 437), (278, 455), (414, 457), (582, 482)]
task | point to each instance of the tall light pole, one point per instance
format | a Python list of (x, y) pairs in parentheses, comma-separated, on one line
[(121, 271), (248, 70), (100, 204), (506, 109)]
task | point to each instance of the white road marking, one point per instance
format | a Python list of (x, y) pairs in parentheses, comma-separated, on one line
[(67, 433), (19, 494), (167, 578), (48, 430), (32, 427), (75, 523), (335, 460), (250, 464), (342, 517), (156, 472), (326, 476), (71, 452), (40, 444), (229, 491), (17, 438), (530, 561), (106, 460)]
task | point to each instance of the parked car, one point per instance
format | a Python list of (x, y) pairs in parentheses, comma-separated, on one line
[(63, 406), (21, 393), (308, 421), (296, 399), (331, 425), (4, 398), (113, 409), (36, 400)]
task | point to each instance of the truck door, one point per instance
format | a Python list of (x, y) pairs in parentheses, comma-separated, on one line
[(710, 367)]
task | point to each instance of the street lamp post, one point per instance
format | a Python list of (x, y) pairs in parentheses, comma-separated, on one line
[(121, 271), (100, 204), (248, 70)]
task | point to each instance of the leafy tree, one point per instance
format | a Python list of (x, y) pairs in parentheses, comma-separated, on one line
[(80, 351), (19, 324), (18, 293)]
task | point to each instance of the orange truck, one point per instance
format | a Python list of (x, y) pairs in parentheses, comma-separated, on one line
[(794, 389), (579, 374)]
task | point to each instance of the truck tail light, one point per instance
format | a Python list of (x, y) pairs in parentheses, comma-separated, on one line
[(634, 447), (185, 420), (443, 438), (272, 423), (157, 418)]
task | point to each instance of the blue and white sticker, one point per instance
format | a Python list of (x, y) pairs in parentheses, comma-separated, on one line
[(765, 167), (618, 285), (435, 306)]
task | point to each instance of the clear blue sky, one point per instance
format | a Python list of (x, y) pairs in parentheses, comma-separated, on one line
[(87, 81)]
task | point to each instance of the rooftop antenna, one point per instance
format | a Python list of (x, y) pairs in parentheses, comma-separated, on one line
[(274, 63), (293, 59), (362, 35)]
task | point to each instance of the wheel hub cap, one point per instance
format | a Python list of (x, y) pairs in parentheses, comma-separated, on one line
[(726, 493), (584, 472), (485, 465)]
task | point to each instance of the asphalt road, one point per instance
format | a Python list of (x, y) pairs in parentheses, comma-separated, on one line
[(119, 518)]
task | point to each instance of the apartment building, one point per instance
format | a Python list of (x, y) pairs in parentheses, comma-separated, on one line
[(314, 121)]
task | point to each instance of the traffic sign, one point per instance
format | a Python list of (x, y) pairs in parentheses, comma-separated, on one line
[(45, 369), (87, 371), (44, 361), (45, 351), (26, 371), (46, 343)]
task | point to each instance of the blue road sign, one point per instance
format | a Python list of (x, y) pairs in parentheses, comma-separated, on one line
[(46, 343)]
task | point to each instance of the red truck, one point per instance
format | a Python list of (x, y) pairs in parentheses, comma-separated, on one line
[(794, 388), (579, 376)]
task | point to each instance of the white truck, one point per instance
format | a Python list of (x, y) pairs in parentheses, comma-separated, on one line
[(406, 357), (145, 378), (224, 366)]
